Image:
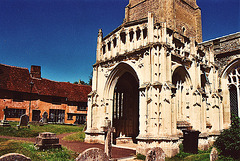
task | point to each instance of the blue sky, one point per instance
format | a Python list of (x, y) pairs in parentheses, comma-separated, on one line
[(60, 35)]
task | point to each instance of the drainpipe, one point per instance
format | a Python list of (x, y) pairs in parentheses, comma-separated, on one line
[(31, 86)]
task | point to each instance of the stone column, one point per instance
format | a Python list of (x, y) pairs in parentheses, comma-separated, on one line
[(99, 45), (142, 112), (174, 115), (163, 64), (226, 104), (150, 27), (164, 33), (127, 41), (203, 116), (166, 112), (141, 38)]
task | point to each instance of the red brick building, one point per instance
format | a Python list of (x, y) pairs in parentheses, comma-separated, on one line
[(64, 102)]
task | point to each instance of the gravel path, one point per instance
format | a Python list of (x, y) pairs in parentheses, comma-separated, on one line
[(79, 147)]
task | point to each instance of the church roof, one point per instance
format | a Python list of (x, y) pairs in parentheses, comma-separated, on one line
[(18, 79)]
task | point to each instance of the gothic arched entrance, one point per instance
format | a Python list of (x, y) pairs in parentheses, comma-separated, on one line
[(126, 107)]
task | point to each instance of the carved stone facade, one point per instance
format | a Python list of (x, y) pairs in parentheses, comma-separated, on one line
[(153, 80), (226, 51)]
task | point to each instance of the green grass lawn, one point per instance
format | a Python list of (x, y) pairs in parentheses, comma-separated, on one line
[(79, 136), (27, 149), (186, 157), (182, 156), (34, 130)]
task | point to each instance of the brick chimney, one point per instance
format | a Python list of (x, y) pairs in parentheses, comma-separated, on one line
[(35, 71)]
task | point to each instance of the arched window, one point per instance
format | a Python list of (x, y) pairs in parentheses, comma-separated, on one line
[(233, 84), (233, 99)]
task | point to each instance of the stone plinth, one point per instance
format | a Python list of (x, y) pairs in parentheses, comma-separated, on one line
[(124, 140), (170, 146), (47, 140)]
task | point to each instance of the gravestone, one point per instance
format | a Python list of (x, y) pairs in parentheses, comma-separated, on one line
[(214, 154), (45, 117), (23, 121), (47, 140), (4, 122), (108, 141), (155, 154), (14, 157), (93, 154)]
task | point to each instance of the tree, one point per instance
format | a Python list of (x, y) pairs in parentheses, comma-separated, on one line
[(228, 142), (82, 82), (90, 79)]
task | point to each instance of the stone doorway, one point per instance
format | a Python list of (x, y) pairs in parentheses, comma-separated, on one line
[(126, 107)]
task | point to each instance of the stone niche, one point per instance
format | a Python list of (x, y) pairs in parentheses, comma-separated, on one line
[(47, 140)]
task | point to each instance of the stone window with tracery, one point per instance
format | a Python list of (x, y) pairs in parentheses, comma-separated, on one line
[(234, 85)]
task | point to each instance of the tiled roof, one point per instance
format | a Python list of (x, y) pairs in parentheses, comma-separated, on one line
[(18, 79)]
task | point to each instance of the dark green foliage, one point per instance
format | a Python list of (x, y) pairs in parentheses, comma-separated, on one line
[(182, 154), (3, 140), (228, 143), (140, 157)]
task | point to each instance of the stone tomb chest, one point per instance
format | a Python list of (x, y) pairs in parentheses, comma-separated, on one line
[(47, 140)]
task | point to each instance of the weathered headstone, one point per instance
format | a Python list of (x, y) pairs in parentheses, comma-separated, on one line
[(23, 121), (93, 154), (14, 157), (214, 154), (4, 122), (47, 140), (45, 117), (108, 141), (155, 154)]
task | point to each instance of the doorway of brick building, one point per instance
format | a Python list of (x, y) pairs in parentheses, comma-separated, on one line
[(36, 115)]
